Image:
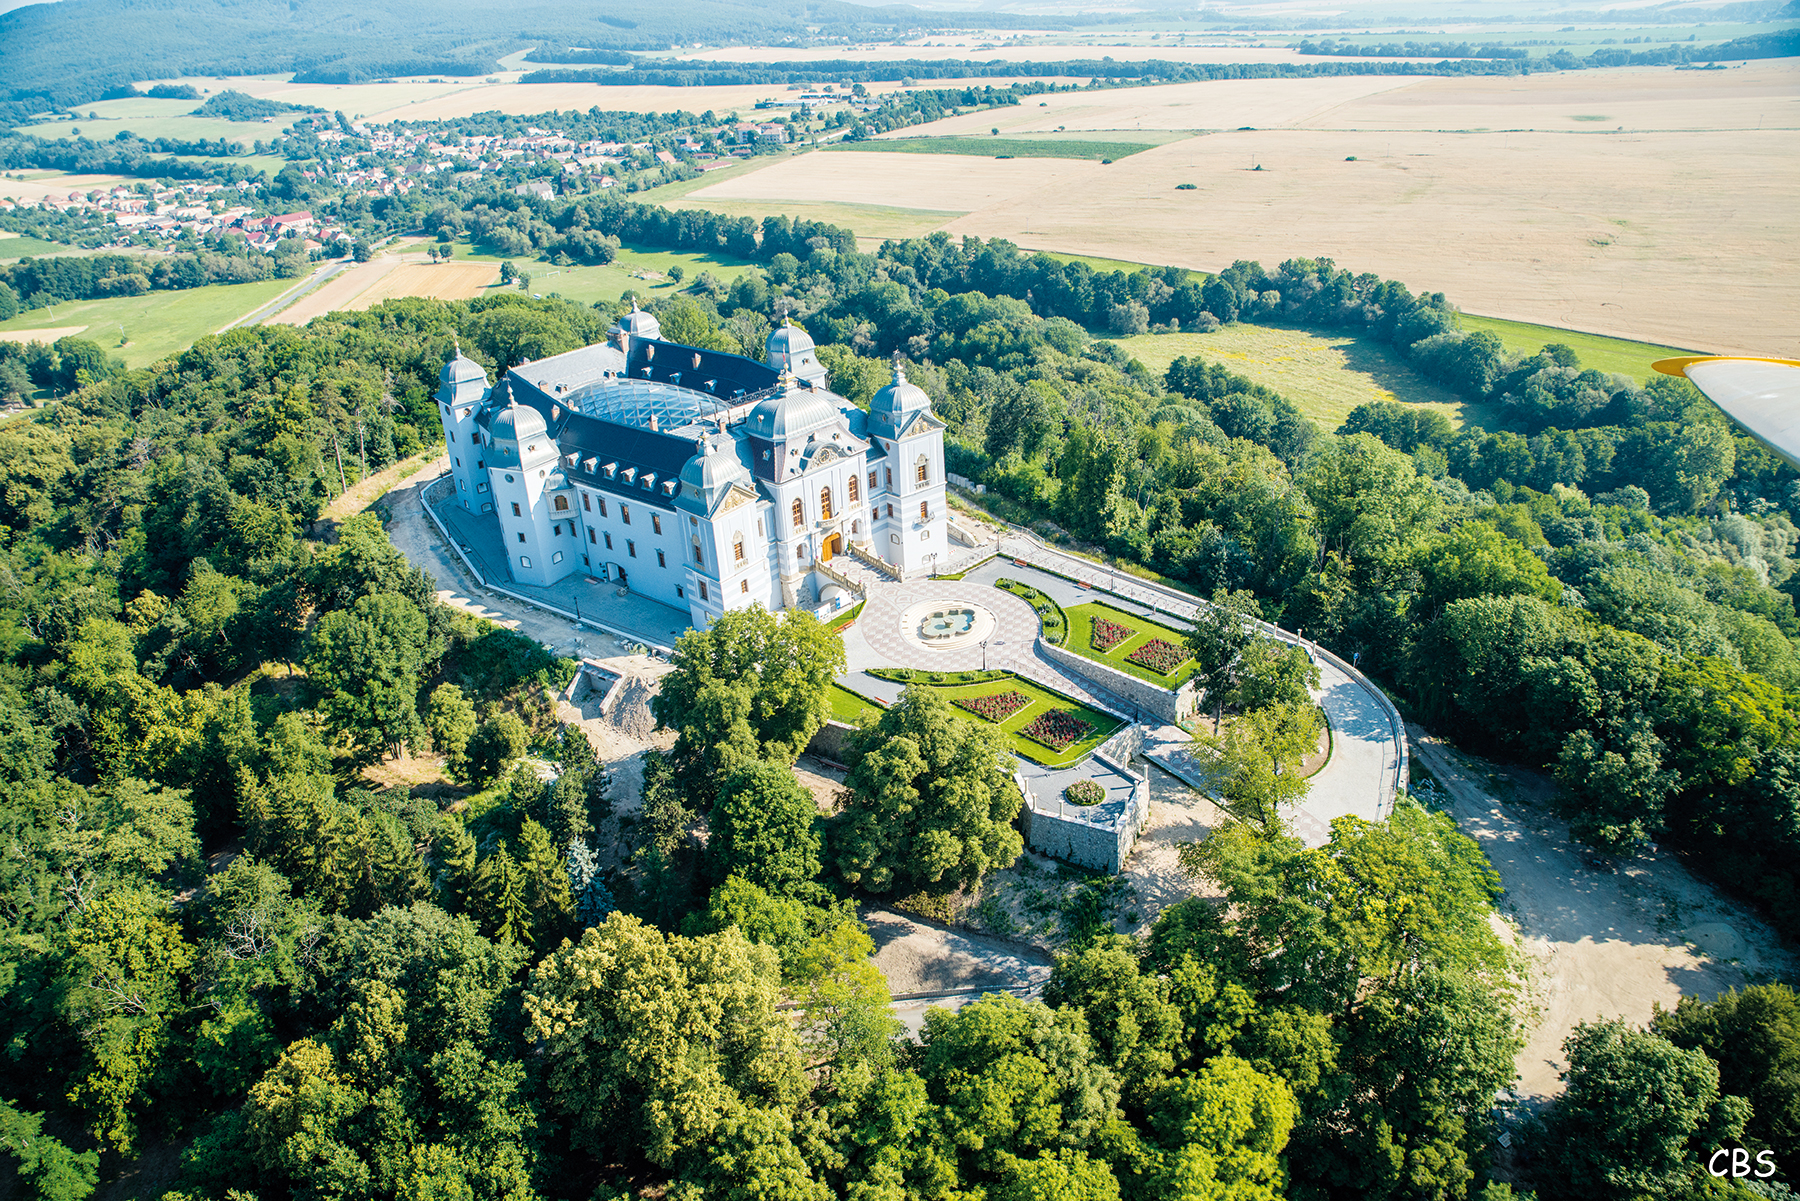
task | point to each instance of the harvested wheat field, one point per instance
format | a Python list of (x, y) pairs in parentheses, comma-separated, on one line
[(1675, 231), (441, 281), (337, 293), (905, 181)]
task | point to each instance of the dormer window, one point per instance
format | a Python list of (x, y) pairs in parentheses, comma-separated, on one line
[(629, 475), (590, 465), (669, 487), (649, 480), (609, 469)]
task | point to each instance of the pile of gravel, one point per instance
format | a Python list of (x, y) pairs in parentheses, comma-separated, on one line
[(631, 711)]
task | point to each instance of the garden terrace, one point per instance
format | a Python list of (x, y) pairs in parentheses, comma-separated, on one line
[(1039, 701), (1094, 625)]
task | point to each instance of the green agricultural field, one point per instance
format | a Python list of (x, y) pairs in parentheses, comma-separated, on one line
[(636, 269), (29, 247), (1145, 138), (1596, 350), (157, 324), (873, 223), (1324, 374), (999, 147), (1042, 699), (1108, 265), (185, 128), (664, 193), (1081, 632)]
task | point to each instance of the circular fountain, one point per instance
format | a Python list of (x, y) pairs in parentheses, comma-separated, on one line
[(946, 625)]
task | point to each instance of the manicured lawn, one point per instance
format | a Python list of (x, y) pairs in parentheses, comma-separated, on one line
[(156, 324), (991, 147), (641, 270), (848, 707), (1596, 350), (838, 625), (1042, 700), (1081, 628)]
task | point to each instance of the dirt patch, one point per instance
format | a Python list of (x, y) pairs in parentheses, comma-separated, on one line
[(918, 957), (46, 336), (822, 780), (1598, 944)]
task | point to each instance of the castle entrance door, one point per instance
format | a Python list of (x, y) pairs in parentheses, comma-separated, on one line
[(834, 545)]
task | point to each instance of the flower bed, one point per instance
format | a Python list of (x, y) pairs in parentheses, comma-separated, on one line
[(1159, 656), (1057, 729), (1108, 634), (1084, 792), (998, 707)]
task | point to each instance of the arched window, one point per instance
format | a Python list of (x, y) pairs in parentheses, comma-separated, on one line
[(562, 504), (854, 498), (825, 504), (799, 515), (921, 471), (737, 549)]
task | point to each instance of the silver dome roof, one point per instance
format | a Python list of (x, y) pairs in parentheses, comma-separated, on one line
[(792, 412), (789, 340), (899, 397), (517, 421)]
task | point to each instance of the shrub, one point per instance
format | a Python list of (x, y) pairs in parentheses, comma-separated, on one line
[(998, 707), (1057, 729), (1084, 792), (1159, 656), (1108, 634), (1185, 187)]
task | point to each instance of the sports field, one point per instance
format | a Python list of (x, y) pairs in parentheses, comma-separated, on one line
[(154, 325), (1324, 374)]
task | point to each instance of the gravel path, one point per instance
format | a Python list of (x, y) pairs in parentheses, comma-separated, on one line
[(1599, 945)]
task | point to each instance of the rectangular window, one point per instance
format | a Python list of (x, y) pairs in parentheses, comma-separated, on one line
[(660, 561), (609, 542), (591, 537), (452, 435), (798, 514), (889, 472), (625, 513), (759, 529), (743, 585), (890, 510), (871, 481), (631, 548), (698, 557), (481, 464), (656, 523), (854, 497), (557, 529), (516, 509), (737, 551), (919, 474), (924, 511), (587, 502), (557, 557), (461, 487), (524, 560), (679, 592), (481, 487), (521, 537), (459, 462), (603, 506), (703, 595)]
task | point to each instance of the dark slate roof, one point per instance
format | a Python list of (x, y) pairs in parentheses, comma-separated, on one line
[(635, 451), (733, 375)]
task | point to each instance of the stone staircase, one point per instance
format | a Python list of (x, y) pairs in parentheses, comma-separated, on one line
[(883, 571)]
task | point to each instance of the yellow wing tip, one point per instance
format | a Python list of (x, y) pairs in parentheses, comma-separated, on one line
[(1679, 366)]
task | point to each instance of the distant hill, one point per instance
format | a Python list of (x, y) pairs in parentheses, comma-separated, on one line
[(55, 58)]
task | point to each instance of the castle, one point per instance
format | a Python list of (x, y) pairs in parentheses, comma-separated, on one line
[(703, 480)]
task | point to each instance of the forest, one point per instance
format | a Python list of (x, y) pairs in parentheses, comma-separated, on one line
[(228, 942)]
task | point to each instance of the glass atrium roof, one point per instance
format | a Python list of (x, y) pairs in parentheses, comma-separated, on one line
[(634, 402)]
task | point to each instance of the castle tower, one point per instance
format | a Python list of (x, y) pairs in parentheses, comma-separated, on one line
[(909, 490), (462, 390), (790, 348), (522, 468)]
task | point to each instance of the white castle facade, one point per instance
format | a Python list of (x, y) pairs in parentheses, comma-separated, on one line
[(703, 480)]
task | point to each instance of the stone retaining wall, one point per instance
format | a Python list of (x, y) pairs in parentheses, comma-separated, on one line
[(1171, 706), (1103, 846), (832, 741)]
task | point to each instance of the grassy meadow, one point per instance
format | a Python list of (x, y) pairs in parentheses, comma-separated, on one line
[(29, 247), (636, 269), (1324, 374), (156, 324), (1615, 355)]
